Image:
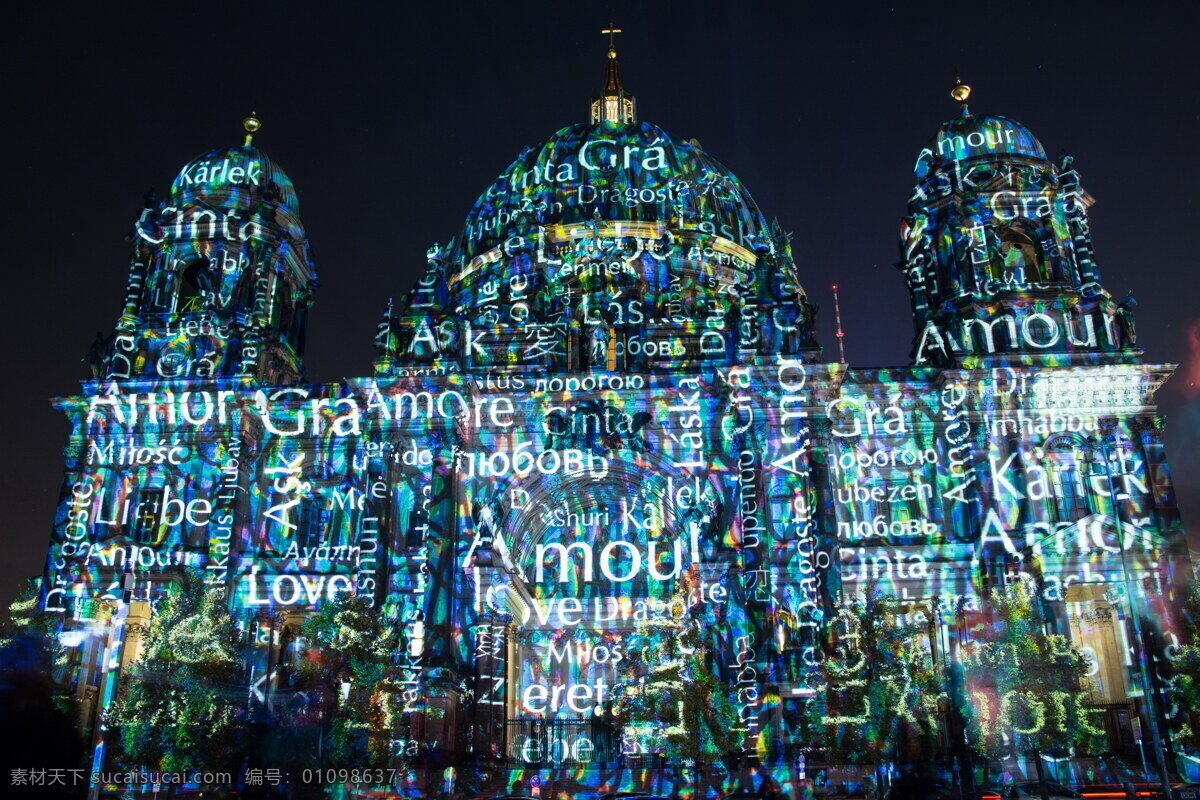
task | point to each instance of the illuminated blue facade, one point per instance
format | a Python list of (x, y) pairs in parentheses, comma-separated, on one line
[(604, 404)]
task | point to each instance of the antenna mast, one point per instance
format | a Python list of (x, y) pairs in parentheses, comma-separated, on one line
[(837, 310)]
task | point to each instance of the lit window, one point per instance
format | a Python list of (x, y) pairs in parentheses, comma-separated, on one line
[(147, 515), (313, 529), (1068, 499)]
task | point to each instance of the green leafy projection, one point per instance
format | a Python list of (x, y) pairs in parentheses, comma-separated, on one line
[(182, 704), (35, 668), (1026, 688), (876, 693), (668, 694), (1186, 666), (358, 650)]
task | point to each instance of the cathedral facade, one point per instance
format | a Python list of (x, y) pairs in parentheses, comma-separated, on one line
[(604, 404)]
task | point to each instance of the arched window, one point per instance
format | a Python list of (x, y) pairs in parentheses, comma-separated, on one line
[(1020, 256), (195, 286), (286, 305), (296, 330), (1064, 457), (1069, 493)]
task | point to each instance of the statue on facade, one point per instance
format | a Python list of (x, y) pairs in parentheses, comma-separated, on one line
[(598, 336), (914, 230), (1125, 320), (95, 357)]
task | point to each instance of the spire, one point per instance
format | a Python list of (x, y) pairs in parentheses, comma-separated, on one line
[(959, 94), (251, 124), (613, 84), (614, 105), (837, 308)]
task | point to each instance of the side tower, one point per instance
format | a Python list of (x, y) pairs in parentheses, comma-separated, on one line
[(997, 254), (220, 279), (1051, 468), (162, 462)]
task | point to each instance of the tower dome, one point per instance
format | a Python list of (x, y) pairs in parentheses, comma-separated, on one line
[(234, 178), (634, 172), (987, 137)]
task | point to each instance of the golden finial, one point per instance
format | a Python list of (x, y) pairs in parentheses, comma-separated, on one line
[(960, 92), (251, 124), (611, 32)]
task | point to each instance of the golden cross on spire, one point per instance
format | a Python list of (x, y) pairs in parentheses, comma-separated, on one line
[(611, 32)]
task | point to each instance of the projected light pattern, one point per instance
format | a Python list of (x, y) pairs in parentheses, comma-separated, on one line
[(603, 407)]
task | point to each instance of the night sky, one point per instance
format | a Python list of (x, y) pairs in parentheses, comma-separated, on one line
[(392, 119)]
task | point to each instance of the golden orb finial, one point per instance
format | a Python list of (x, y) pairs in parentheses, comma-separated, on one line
[(251, 125), (960, 92)]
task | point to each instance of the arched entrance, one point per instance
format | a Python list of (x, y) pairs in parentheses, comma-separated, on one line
[(576, 562)]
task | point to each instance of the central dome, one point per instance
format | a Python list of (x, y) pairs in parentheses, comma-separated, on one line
[(636, 172)]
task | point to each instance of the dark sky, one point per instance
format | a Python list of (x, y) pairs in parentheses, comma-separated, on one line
[(391, 118)]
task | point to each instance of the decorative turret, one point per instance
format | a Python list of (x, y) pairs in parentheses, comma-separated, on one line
[(221, 277), (614, 105), (997, 253)]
